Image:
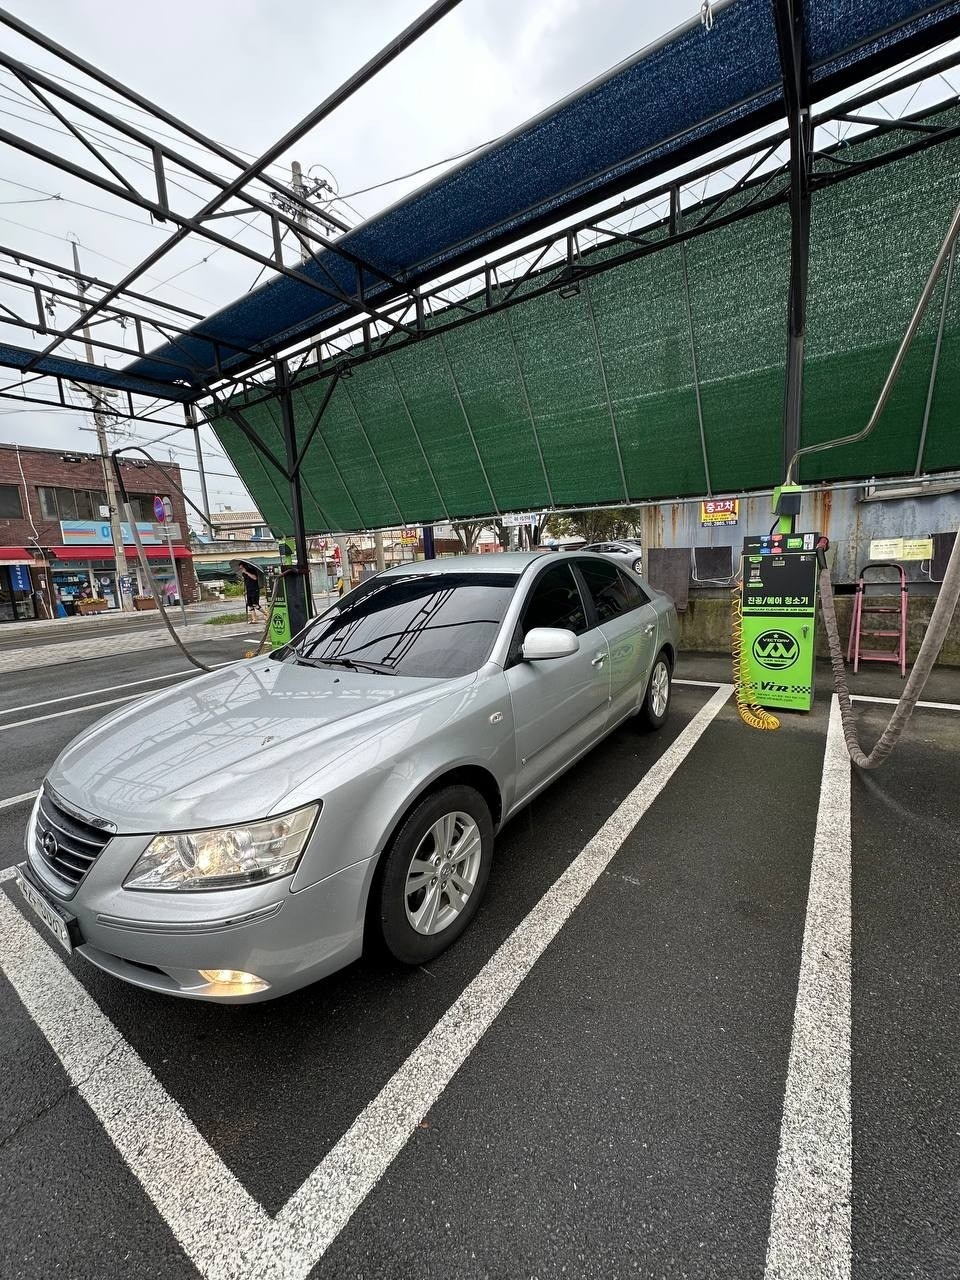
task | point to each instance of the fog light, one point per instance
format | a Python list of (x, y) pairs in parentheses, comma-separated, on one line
[(234, 980)]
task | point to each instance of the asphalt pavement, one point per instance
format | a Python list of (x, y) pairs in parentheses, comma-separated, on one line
[(705, 1025)]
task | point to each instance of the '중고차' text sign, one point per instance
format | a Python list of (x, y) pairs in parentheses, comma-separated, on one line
[(719, 511)]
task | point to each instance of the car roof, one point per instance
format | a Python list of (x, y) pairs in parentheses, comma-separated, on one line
[(490, 562)]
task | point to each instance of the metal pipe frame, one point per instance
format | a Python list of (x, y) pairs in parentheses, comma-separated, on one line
[(789, 22), (492, 295), (431, 310), (227, 189)]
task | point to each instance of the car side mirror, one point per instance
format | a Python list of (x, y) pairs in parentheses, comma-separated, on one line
[(541, 643)]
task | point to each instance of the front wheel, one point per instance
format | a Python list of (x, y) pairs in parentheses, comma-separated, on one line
[(637, 566), (436, 871), (656, 703)]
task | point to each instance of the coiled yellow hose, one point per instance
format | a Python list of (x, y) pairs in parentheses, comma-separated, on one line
[(750, 713)]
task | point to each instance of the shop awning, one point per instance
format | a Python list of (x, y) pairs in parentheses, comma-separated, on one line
[(106, 553), (15, 555)]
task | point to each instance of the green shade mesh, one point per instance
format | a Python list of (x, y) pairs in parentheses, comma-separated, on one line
[(592, 398)]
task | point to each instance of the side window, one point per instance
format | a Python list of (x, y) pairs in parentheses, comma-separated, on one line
[(555, 602), (606, 587), (636, 596)]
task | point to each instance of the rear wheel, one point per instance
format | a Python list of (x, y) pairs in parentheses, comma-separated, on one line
[(656, 703), (637, 566), (436, 871)]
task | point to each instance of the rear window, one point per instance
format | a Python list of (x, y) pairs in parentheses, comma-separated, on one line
[(428, 624)]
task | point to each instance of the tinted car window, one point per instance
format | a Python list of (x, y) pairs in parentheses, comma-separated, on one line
[(555, 602), (606, 587), (636, 596), (429, 624)]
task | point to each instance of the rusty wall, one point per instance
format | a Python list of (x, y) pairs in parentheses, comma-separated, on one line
[(849, 522)]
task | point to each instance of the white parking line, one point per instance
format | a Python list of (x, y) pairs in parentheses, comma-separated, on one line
[(929, 706), (93, 706), (71, 711), (222, 1229), (13, 800), (89, 693), (810, 1224)]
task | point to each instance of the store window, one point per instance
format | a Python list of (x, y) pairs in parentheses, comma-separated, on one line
[(70, 504), (11, 507)]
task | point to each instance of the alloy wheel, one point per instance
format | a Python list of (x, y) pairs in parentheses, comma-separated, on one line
[(659, 688), (443, 873)]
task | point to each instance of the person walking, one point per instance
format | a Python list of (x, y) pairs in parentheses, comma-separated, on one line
[(251, 584)]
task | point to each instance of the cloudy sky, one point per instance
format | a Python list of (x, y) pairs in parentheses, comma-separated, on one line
[(244, 71)]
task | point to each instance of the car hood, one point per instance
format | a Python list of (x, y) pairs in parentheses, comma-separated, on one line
[(230, 746)]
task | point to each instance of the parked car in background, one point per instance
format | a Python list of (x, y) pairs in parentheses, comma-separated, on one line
[(626, 551), (247, 832)]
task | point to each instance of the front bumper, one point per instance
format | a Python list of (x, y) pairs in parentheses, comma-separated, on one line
[(162, 941)]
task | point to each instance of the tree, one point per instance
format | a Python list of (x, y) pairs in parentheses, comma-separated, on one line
[(468, 533), (594, 526)]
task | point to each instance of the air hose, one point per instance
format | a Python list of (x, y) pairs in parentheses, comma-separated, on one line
[(158, 595), (929, 652), (950, 588), (750, 712)]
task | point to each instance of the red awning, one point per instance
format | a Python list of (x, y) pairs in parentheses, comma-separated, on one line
[(15, 555), (106, 553)]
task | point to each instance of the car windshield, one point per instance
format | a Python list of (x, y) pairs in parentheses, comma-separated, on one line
[(436, 625)]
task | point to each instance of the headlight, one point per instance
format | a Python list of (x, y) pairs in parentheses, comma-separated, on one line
[(225, 857)]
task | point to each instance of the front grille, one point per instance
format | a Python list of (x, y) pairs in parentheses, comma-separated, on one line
[(68, 845)]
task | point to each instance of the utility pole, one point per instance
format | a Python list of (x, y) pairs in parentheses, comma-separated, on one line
[(300, 215), (100, 423)]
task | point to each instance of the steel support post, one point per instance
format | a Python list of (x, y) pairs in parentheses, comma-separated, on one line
[(299, 595), (788, 15), (429, 548)]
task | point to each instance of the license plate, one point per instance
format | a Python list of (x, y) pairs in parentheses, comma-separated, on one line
[(57, 921)]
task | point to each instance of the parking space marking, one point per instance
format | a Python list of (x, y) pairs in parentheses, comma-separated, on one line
[(222, 1229), (21, 799), (89, 693), (71, 711), (810, 1222), (928, 706)]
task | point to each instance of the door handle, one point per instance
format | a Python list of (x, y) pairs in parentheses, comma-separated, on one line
[(598, 660), (649, 629)]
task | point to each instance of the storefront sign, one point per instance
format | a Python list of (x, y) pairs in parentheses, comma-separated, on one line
[(19, 577), (96, 533), (409, 538), (719, 511)]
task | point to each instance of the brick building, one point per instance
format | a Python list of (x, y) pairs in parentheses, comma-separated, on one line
[(55, 538)]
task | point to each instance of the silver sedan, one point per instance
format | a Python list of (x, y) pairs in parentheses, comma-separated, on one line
[(625, 552), (249, 831)]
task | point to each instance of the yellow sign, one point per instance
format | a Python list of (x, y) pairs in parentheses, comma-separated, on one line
[(901, 549), (918, 548), (719, 511), (886, 549)]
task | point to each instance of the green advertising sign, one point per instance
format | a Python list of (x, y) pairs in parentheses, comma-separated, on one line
[(779, 602), (280, 617)]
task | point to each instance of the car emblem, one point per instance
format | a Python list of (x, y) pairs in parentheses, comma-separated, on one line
[(49, 844)]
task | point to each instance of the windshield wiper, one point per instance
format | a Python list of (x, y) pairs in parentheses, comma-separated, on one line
[(352, 664)]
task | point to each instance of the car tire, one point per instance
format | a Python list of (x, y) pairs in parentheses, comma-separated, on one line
[(417, 911), (637, 566), (656, 701)]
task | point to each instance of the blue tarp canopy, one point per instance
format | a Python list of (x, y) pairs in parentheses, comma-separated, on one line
[(664, 106)]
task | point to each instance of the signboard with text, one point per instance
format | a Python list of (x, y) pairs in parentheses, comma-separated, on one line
[(716, 511), (901, 549), (96, 533), (515, 519)]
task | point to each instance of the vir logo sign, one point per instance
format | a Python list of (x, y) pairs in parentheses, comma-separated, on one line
[(776, 650)]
